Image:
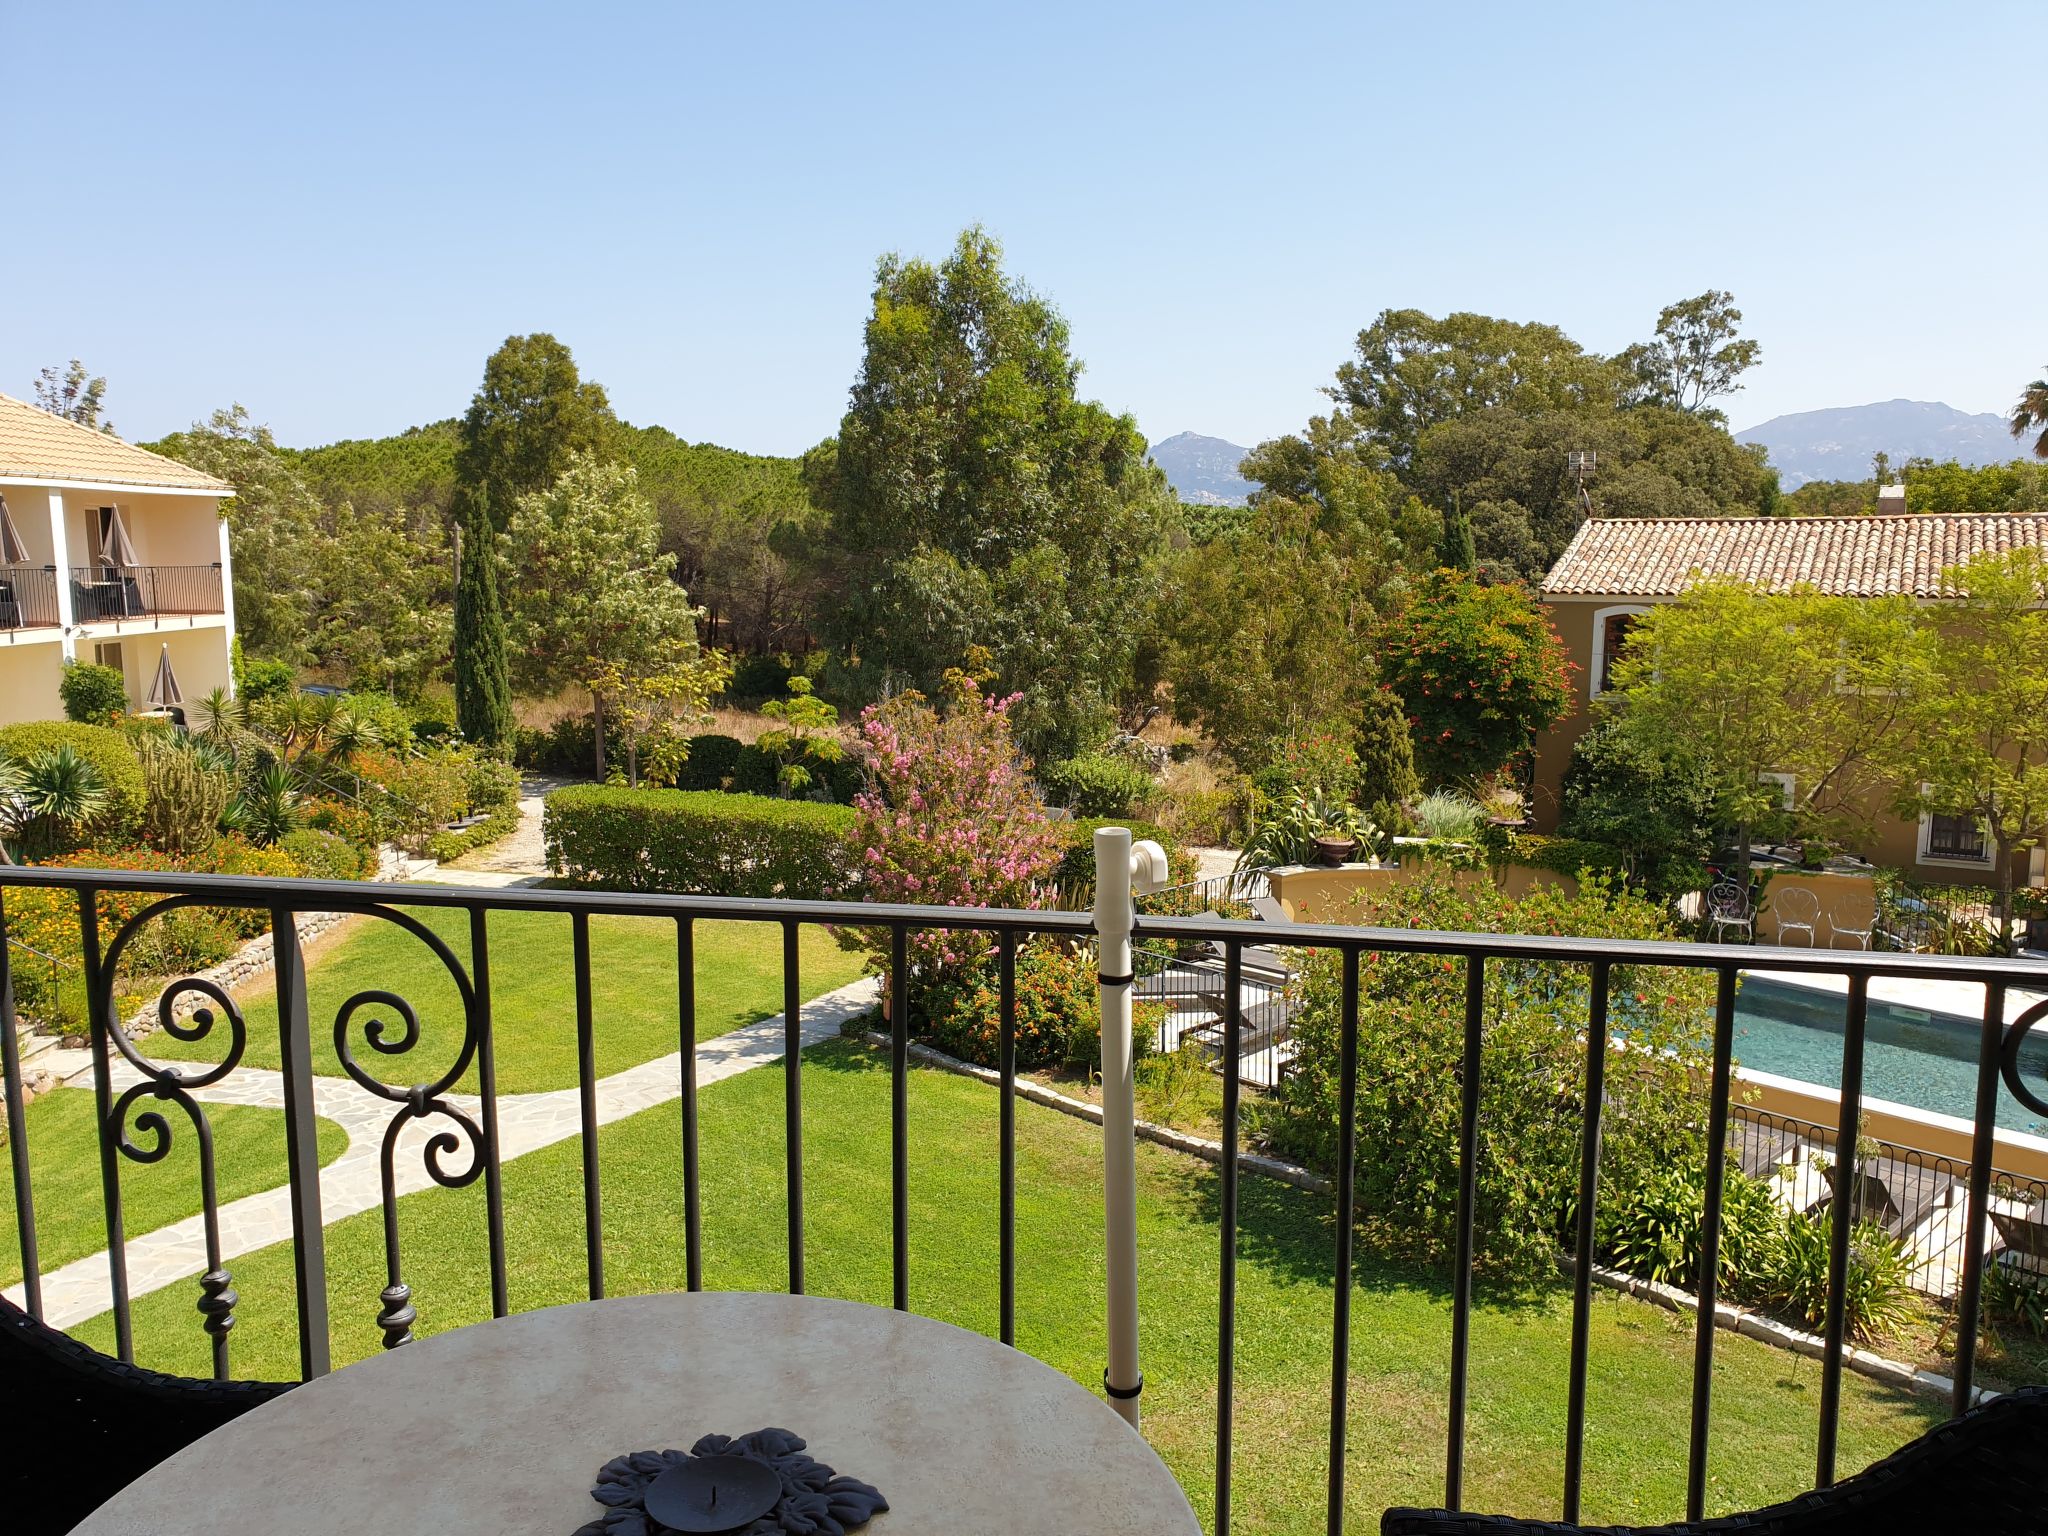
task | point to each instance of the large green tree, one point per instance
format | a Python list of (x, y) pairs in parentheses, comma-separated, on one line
[(1413, 371), (591, 596), (1698, 355), (1269, 628), (1975, 741), (978, 504), (1744, 686), (530, 415), (362, 590)]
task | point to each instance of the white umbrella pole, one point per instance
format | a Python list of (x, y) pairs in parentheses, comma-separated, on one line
[(1113, 916)]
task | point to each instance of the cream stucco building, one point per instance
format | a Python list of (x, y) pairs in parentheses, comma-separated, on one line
[(108, 553)]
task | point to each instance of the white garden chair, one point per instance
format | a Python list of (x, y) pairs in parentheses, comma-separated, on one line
[(1728, 907), (1797, 910), (1860, 935)]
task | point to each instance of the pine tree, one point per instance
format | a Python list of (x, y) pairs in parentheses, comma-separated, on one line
[(483, 687), (1456, 551)]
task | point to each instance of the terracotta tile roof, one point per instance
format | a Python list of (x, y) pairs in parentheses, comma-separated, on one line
[(34, 445), (1842, 556)]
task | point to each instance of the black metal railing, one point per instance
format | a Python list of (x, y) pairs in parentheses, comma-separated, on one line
[(425, 1097), (28, 596), (103, 592)]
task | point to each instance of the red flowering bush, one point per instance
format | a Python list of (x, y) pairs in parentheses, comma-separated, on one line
[(1480, 671)]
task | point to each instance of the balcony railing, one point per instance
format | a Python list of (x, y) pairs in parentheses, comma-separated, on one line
[(28, 596), (101, 592), (466, 1146)]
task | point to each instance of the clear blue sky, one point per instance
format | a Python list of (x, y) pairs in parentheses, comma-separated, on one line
[(333, 213)]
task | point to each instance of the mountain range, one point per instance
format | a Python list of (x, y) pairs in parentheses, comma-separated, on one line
[(1839, 443), (1203, 469)]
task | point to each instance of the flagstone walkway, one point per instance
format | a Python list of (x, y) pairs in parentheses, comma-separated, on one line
[(352, 1182)]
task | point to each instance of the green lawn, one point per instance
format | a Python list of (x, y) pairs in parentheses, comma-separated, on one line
[(64, 1170), (533, 993), (1765, 1401)]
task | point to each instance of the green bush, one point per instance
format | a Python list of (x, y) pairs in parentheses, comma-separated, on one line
[(756, 771), (568, 746), (1410, 1044), (1652, 1225), (1096, 784), (760, 677), (1058, 1022), (1564, 855), (388, 722), (1878, 1298), (1386, 759), (92, 694), (112, 759), (715, 844), (1657, 812), (713, 760), (263, 677), (1076, 868), (323, 855)]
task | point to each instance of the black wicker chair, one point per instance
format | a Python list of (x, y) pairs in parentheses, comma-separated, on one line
[(1986, 1471), (78, 1427)]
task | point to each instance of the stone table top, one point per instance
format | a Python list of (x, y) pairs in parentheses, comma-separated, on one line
[(501, 1427)]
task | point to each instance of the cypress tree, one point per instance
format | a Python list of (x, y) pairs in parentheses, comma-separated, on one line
[(483, 686), (1456, 551)]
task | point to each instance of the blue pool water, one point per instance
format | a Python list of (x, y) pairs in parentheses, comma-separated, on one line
[(1910, 1055)]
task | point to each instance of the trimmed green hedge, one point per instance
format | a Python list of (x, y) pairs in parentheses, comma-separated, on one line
[(111, 756), (700, 841), (1564, 855)]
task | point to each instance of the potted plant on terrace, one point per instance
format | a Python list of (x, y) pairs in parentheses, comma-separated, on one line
[(1308, 825)]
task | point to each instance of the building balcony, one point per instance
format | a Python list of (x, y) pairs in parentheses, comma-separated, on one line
[(28, 597), (839, 1155), (102, 594)]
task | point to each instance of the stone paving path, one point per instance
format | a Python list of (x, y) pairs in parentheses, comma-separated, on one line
[(352, 1182)]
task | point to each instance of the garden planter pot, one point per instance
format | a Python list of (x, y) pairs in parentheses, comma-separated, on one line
[(1332, 852)]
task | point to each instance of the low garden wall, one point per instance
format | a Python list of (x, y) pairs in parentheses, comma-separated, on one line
[(1315, 894), (1850, 899)]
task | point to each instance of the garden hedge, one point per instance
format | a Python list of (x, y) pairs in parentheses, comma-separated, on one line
[(701, 842), (1077, 865), (111, 756)]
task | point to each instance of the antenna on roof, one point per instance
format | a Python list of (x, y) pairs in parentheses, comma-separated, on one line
[(1582, 463)]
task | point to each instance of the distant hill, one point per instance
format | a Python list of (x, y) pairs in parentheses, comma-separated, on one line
[(1203, 469), (1838, 444)]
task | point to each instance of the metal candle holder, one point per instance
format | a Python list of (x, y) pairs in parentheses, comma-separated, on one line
[(755, 1485)]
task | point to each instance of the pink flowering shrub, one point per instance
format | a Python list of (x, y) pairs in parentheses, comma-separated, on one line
[(948, 818)]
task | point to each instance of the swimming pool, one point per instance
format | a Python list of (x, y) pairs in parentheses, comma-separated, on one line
[(1910, 1055)]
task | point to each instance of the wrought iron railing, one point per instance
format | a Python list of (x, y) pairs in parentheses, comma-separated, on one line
[(466, 1148), (100, 593), (28, 596)]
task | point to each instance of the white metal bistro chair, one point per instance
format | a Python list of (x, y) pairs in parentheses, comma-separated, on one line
[(1728, 907), (1796, 910), (1837, 931)]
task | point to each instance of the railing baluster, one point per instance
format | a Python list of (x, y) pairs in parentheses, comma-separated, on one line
[(1710, 1244), (1983, 1147), (99, 1002), (686, 1028), (586, 1096), (487, 1086), (1347, 1199), (1226, 1298), (793, 1103), (302, 1143), (217, 1297), (1582, 1278), (17, 1131), (1006, 1263), (899, 1117), (1841, 1226), (1468, 1196)]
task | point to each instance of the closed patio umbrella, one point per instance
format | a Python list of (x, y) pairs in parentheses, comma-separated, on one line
[(12, 550), (163, 688), (115, 547)]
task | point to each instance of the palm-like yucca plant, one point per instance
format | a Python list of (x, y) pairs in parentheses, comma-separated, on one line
[(60, 796), (268, 806), (2031, 415), (348, 731), (221, 720)]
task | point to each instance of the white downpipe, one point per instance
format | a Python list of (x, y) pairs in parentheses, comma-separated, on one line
[(1113, 916)]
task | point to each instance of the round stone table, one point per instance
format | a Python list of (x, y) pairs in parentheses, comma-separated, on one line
[(501, 1427)]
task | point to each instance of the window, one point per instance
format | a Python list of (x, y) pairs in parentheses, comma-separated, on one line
[(108, 654), (1610, 637), (1786, 784), (1946, 839)]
